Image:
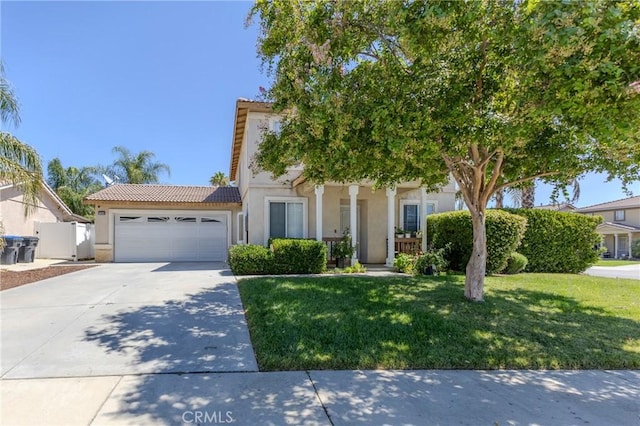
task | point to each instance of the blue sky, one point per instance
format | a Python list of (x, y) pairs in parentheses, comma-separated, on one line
[(158, 76)]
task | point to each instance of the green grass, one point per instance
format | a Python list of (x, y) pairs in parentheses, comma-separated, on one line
[(613, 262), (537, 321)]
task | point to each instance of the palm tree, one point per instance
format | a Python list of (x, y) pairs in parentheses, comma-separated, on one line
[(219, 179), (136, 168), (19, 163), (72, 185)]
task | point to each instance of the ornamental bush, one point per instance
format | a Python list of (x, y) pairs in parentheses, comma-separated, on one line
[(515, 264), (635, 249), (404, 263), (558, 241), (504, 232), (285, 256), (295, 256), (250, 259)]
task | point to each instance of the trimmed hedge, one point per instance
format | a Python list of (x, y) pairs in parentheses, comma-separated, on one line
[(250, 259), (289, 256), (515, 264), (294, 256), (558, 241), (455, 230)]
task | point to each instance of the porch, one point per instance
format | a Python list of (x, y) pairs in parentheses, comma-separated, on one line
[(617, 238), (401, 245)]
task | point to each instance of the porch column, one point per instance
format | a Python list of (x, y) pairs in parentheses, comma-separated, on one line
[(615, 246), (629, 241), (353, 220), (391, 220), (423, 217), (319, 192)]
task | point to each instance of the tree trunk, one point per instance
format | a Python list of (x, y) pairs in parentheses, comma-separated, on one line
[(528, 196), (477, 266), (499, 196)]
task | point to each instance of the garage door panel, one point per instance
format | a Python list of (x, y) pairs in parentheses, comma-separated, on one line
[(170, 237)]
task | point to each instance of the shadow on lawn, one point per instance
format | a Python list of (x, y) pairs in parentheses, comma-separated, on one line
[(408, 323)]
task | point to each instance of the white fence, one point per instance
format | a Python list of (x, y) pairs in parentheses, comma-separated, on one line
[(65, 240)]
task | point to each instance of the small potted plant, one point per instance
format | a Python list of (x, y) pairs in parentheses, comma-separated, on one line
[(399, 232), (342, 250)]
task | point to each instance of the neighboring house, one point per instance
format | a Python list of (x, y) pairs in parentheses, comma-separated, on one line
[(50, 209), (292, 207), (562, 207), (621, 224), (147, 223)]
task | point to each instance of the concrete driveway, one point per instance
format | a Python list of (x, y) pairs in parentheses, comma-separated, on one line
[(120, 319)]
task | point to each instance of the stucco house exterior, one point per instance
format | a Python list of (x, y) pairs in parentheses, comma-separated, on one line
[(621, 224), (292, 207), (165, 222), (50, 209)]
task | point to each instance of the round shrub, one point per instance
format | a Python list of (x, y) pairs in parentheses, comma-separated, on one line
[(515, 263), (298, 256), (453, 231), (250, 259), (559, 241)]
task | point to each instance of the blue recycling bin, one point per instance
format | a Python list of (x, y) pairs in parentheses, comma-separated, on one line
[(27, 250), (12, 245)]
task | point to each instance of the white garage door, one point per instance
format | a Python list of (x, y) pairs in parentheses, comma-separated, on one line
[(166, 237)]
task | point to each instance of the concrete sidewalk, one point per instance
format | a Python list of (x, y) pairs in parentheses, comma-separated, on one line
[(329, 398)]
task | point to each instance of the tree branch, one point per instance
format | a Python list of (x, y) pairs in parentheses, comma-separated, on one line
[(527, 179)]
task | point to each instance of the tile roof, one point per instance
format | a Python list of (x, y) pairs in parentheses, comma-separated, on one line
[(243, 107), (631, 202), (167, 194)]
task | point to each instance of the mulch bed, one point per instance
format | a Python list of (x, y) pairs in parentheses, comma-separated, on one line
[(11, 279)]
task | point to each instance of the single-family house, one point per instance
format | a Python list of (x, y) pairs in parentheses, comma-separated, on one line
[(164, 222), (621, 224)]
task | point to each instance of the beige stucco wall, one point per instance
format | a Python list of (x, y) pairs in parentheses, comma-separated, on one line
[(12, 212), (373, 213), (104, 227), (631, 216)]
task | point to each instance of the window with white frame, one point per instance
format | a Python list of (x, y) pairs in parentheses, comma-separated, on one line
[(286, 217), (410, 215), (241, 228), (619, 215)]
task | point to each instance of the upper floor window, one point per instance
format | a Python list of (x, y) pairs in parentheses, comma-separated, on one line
[(275, 125), (618, 215)]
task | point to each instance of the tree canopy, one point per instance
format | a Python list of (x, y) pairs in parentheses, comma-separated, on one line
[(19, 163), (494, 94), (138, 167), (73, 184), (219, 179)]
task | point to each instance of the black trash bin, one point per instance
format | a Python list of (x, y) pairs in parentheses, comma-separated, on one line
[(11, 247), (27, 251)]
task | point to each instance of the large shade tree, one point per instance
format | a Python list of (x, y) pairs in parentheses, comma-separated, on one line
[(73, 184), (20, 164), (494, 94), (139, 167)]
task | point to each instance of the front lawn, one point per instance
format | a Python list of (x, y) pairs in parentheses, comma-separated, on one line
[(537, 321), (614, 262)]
